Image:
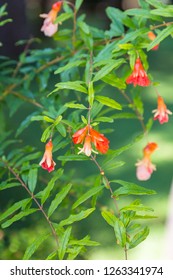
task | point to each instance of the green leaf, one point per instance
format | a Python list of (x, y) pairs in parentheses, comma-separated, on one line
[(116, 17), (57, 120), (78, 4), (139, 237), (104, 119), (46, 192), (120, 233), (156, 3), (63, 17), (47, 119), (58, 199), (62, 130), (75, 105), (108, 68), (76, 217), (34, 246), (46, 133), (4, 185), (131, 189), (108, 102), (73, 158), (84, 242), (69, 66), (14, 208), (142, 13), (18, 217), (90, 93), (109, 217), (71, 85), (114, 81), (136, 206), (74, 252), (161, 36), (63, 243), (84, 27), (87, 195), (32, 179)]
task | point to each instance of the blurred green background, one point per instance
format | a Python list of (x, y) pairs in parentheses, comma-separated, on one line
[(14, 240)]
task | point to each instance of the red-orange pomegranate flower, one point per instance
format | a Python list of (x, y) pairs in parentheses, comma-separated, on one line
[(152, 36), (145, 167), (138, 76), (89, 136), (49, 27), (161, 113), (47, 161)]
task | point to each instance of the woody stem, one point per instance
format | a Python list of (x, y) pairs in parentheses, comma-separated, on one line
[(34, 199), (107, 183)]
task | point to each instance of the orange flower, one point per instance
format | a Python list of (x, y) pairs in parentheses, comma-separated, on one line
[(145, 167), (100, 141), (152, 36), (47, 161), (161, 113), (49, 27), (89, 136), (79, 136), (138, 76)]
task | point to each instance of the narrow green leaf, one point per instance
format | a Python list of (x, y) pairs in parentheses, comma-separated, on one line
[(108, 68), (73, 158), (63, 17), (63, 243), (120, 233), (32, 179), (87, 195), (69, 66), (84, 27), (62, 130), (47, 119), (75, 105), (108, 102), (34, 246), (14, 208), (46, 192), (46, 133), (57, 120), (71, 85), (18, 217), (74, 252), (161, 36), (5, 185), (109, 217), (77, 217), (58, 199), (114, 81), (139, 237), (156, 3), (78, 4), (84, 242), (90, 93), (104, 119), (131, 189)]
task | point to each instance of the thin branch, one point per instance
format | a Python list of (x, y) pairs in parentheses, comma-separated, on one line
[(10, 88), (34, 199), (107, 183), (27, 99)]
